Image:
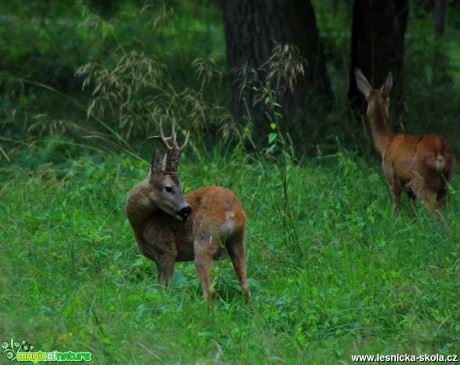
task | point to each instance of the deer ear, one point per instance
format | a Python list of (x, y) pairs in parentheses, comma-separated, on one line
[(157, 163), (362, 83), (386, 88)]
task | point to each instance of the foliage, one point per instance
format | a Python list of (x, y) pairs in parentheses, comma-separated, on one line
[(45, 44), (139, 89), (67, 40)]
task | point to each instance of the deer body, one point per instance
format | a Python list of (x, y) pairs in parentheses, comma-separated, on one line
[(200, 226), (421, 166)]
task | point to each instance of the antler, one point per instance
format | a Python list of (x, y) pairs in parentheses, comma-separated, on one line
[(172, 152)]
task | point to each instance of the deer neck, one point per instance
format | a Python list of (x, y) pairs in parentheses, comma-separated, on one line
[(139, 208), (377, 114)]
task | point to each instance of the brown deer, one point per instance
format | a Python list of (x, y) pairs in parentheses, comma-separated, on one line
[(200, 226), (419, 165)]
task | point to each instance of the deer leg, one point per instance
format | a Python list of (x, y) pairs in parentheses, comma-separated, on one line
[(423, 192), (427, 197), (204, 251), (235, 248), (395, 188), (441, 196), (395, 192), (165, 269), (412, 198), (429, 201)]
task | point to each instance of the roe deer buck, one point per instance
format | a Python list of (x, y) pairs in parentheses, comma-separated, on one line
[(419, 165), (200, 226)]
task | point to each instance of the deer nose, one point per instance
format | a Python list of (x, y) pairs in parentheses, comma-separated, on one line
[(185, 212)]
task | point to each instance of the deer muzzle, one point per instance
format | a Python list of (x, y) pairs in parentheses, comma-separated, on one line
[(184, 213)]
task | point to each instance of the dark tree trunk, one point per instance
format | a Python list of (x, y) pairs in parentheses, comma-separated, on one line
[(440, 21), (440, 57), (253, 28), (377, 47)]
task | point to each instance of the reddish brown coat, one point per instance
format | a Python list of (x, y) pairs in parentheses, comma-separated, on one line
[(201, 226), (422, 166)]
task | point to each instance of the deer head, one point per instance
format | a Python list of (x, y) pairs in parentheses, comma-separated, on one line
[(167, 191), (376, 98)]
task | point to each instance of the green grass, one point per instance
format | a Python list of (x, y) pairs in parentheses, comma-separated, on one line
[(332, 271)]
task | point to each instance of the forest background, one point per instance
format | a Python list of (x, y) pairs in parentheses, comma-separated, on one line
[(333, 272)]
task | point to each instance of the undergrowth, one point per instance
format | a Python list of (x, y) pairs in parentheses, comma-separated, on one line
[(332, 271)]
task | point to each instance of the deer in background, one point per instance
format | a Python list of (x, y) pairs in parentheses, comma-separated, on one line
[(419, 165), (201, 226)]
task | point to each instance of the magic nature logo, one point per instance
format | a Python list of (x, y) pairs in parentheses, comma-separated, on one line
[(23, 352)]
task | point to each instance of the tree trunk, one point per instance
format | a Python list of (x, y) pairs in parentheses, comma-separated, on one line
[(377, 47), (440, 73), (440, 21), (253, 29)]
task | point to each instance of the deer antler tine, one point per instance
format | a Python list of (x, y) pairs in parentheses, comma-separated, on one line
[(186, 141), (172, 138), (174, 133), (173, 151), (161, 128), (164, 139)]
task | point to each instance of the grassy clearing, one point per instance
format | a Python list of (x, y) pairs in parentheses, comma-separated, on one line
[(333, 273)]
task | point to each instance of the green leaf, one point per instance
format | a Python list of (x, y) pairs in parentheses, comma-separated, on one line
[(272, 137), (273, 126), (271, 148)]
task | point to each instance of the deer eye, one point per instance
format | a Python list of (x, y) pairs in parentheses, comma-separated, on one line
[(169, 189)]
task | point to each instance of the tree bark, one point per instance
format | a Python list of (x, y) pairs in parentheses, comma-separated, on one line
[(440, 21), (253, 28), (377, 47)]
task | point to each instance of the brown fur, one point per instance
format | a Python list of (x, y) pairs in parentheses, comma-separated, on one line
[(215, 226), (421, 166)]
